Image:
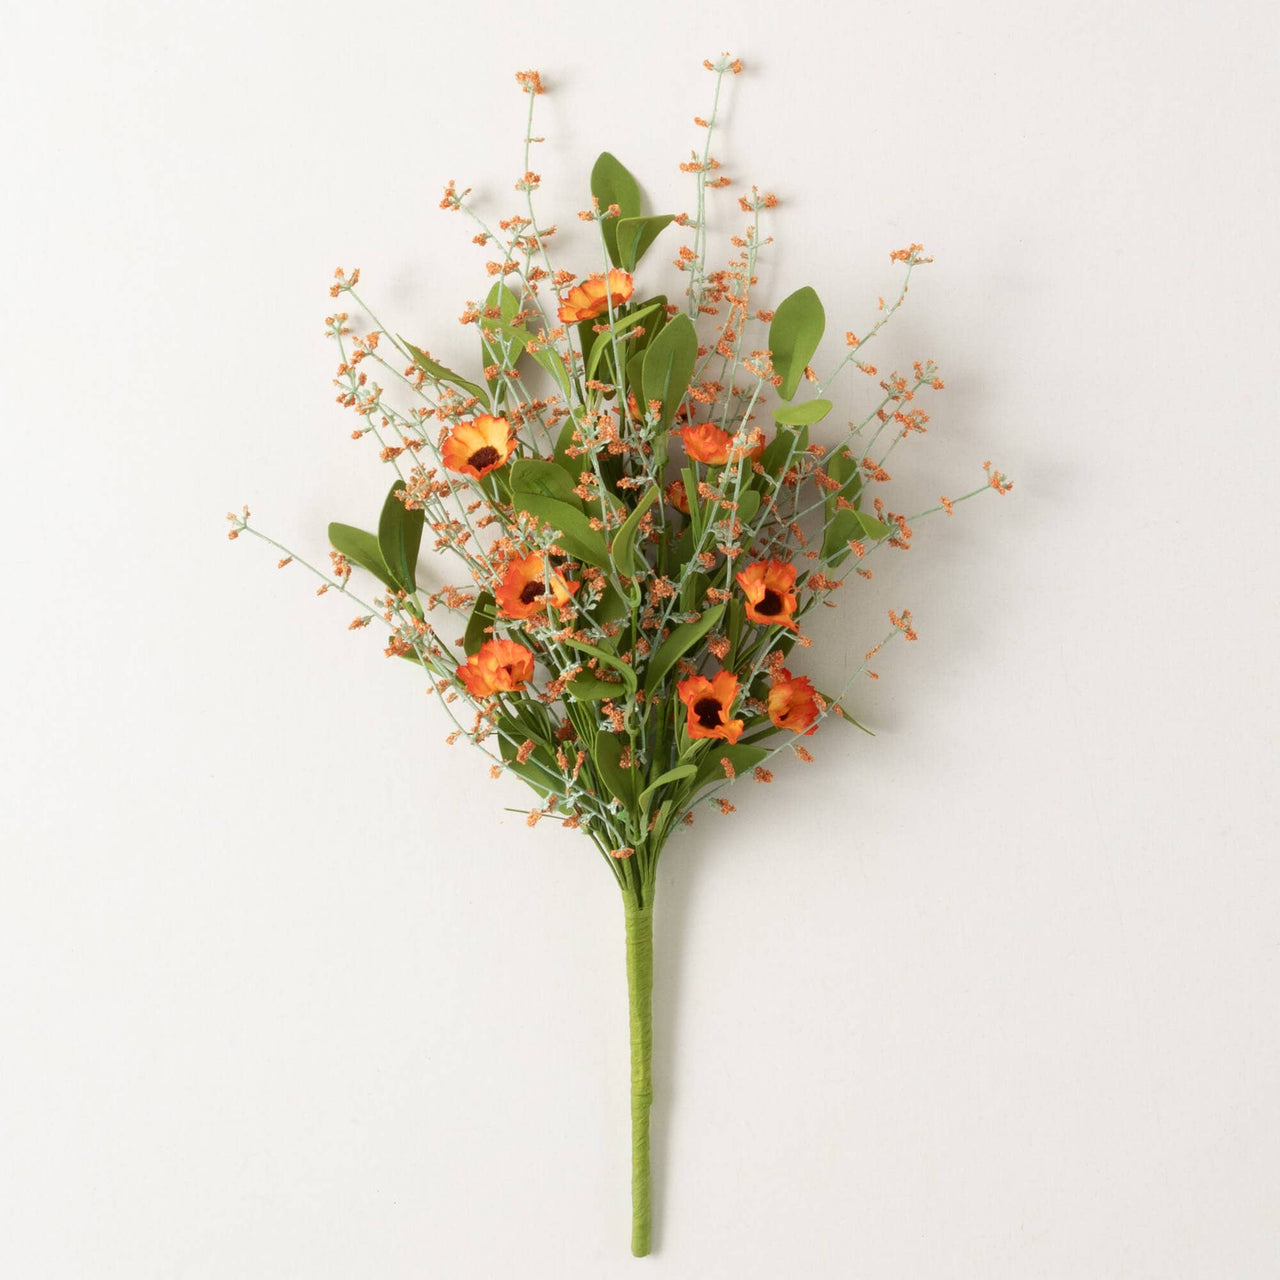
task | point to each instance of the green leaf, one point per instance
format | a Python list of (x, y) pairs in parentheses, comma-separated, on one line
[(842, 714), (635, 378), (602, 343), (694, 590), (440, 373), (535, 719), (678, 643), (503, 332), (573, 467), (612, 183), (606, 753), (842, 522), (547, 357), (502, 341), (586, 687), (623, 550), (784, 449), (843, 467), (748, 506), (873, 528), (610, 606), (483, 613), (634, 236), (741, 756), (539, 770), (360, 548), (573, 531), (507, 305), (802, 414), (611, 660), (680, 772), (505, 300), (794, 335), (842, 527), (587, 336), (651, 331), (737, 618), (669, 363), (399, 537), (660, 822), (533, 475), (760, 735), (694, 503)]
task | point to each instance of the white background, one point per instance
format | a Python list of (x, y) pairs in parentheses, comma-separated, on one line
[(284, 992)]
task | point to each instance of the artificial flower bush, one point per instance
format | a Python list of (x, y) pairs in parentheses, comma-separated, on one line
[(634, 496)]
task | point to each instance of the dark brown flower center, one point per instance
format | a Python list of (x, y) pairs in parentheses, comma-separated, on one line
[(486, 457), (708, 712), (532, 590), (771, 604)]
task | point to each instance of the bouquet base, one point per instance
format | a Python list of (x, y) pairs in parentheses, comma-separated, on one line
[(639, 919)]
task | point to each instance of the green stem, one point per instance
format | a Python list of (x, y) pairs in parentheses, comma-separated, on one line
[(639, 997)]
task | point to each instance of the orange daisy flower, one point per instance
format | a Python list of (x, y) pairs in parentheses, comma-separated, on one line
[(498, 666), (595, 295), (708, 702), (478, 446), (523, 589), (769, 586), (677, 496), (706, 443), (793, 703)]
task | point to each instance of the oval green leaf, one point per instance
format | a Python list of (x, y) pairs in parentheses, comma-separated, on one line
[(610, 660), (399, 537), (668, 366), (573, 467), (606, 755), (622, 325), (678, 643), (748, 506), (360, 548), (784, 449), (434, 369), (740, 756), (794, 334), (680, 772), (873, 528), (482, 615), (573, 531), (803, 414), (533, 475), (636, 235), (624, 542), (612, 183), (539, 769), (585, 687)]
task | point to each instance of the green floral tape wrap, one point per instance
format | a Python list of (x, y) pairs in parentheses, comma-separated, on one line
[(640, 1000)]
